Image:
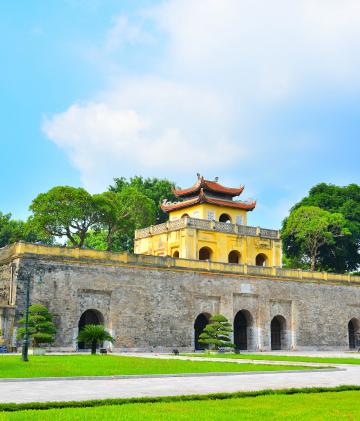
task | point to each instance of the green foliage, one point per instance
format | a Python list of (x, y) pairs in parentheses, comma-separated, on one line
[(94, 334), (217, 332), (13, 407), (105, 221), (284, 358), (113, 365), (96, 240), (65, 211), (121, 213), (154, 188), (41, 326), (343, 253), (13, 230), (307, 229)]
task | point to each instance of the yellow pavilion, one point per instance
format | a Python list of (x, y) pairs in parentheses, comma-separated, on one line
[(208, 224)]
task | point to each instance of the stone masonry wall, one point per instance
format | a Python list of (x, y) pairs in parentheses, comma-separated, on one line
[(153, 308), (6, 303)]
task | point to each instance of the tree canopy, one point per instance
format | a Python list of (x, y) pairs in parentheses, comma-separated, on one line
[(104, 221), (121, 213), (12, 230), (65, 211), (154, 188), (309, 228), (341, 254)]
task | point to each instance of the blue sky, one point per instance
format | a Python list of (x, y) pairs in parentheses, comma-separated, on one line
[(261, 94)]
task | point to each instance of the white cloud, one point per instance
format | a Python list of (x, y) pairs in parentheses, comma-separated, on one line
[(272, 47), (123, 32), (225, 66), (142, 128)]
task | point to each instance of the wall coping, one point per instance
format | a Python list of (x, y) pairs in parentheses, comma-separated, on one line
[(23, 250)]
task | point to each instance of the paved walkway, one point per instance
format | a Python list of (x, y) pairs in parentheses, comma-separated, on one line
[(65, 390)]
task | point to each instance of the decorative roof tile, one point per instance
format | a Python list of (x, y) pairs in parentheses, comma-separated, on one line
[(203, 198), (210, 186)]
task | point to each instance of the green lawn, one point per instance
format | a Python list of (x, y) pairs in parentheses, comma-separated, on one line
[(285, 358), (313, 406), (107, 365)]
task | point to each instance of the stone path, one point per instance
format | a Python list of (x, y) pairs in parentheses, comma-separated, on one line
[(65, 390)]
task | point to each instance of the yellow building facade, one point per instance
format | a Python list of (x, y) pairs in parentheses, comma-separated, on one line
[(208, 224)]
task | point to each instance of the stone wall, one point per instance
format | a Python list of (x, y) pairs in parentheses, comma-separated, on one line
[(7, 299), (154, 308)]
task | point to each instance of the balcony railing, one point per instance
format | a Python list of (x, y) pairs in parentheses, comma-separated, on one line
[(204, 224)]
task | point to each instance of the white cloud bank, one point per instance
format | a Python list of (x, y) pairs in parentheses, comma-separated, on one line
[(225, 65)]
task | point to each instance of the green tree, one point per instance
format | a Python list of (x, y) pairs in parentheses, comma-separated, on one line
[(41, 327), (343, 254), (96, 240), (94, 334), (12, 231), (307, 229), (154, 188), (122, 213), (217, 332), (65, 211)]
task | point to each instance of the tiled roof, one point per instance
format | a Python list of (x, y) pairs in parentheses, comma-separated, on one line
[(203, 198), (208, 185)]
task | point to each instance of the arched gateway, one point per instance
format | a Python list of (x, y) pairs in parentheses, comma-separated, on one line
[(200, 322), (353, 331), (242, 324), (278, 326), (89, 317)]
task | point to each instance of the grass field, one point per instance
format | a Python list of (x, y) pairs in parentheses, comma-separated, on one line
[(292, 358), (313, 406), (107, 365)]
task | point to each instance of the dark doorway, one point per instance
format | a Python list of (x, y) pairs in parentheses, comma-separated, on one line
[(200, 322), (89, 317), (276, 331), (234, 257), (225, 218), (176, 255), (240, 331), (261, 260), (205, 253), (351, 329)]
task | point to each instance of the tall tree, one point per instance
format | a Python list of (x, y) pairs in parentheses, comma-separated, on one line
[(343, 255), (308, 229), (122, 213), (154, 188), (12, 230), (65, 211)]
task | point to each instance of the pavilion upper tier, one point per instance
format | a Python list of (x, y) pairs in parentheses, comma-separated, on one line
[(211, 192)]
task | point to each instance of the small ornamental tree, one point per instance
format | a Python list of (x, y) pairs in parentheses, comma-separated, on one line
[(41, 327), (94, 334), (217, 332)]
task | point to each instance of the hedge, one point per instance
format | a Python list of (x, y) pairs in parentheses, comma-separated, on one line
[(12, 407)]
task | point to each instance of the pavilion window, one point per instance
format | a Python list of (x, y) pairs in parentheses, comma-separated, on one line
[(239, 220), (211, 216)]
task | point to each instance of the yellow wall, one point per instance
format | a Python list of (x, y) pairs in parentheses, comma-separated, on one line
[(188, 242), (201, 211)]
